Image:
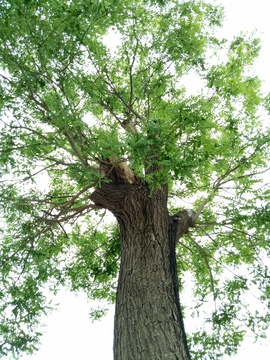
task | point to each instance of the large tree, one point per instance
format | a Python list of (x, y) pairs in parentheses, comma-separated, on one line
[(99, 116)]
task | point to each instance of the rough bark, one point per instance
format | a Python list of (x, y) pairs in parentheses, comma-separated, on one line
[(148, 320)]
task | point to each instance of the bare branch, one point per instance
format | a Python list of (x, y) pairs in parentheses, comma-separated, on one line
[(114, 91), (203, 204)]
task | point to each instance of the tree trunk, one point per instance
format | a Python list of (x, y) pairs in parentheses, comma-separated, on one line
[(148, 321)]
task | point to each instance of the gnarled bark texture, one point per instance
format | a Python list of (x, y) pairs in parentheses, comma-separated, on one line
[(148, 320)]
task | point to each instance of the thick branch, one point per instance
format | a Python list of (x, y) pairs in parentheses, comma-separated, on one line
[(112, 196), (181, 222)]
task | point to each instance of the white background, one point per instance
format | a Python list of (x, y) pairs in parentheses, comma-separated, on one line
[(69, 333)]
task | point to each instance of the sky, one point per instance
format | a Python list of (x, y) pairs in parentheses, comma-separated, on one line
[(69, 332)]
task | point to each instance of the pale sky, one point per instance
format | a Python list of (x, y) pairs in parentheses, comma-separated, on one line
[(70, 334)]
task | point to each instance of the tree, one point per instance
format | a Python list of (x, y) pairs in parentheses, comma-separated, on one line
[(90, 126)]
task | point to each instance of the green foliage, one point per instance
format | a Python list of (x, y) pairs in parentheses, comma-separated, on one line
[(95, 264), (84, 81)]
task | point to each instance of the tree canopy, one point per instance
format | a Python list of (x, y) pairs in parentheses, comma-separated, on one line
[(101, 91)]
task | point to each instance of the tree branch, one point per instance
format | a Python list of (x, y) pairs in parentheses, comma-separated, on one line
[(219, 182), (181, 222), (205, 256)]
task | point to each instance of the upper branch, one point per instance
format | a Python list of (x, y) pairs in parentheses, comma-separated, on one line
[(223, 179)]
